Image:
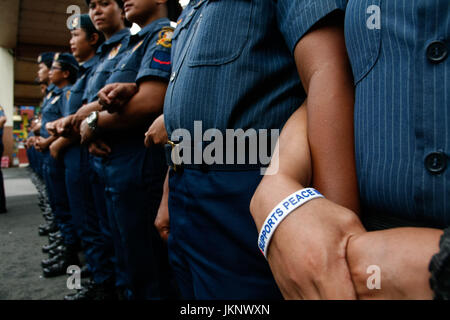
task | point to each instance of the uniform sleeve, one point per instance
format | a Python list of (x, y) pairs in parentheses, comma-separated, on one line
[(63, 105), (296, 17), (157, 60)]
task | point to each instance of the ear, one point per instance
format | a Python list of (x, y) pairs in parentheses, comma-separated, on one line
[(66, 74), (94, 39)]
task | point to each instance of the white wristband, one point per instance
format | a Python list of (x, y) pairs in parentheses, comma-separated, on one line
[(280, 212)]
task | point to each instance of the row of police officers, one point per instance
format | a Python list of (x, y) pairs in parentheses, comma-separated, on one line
[(360, 91)]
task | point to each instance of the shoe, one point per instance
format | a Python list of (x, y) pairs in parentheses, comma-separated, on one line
[(50, 261), (54, 234), (68, 257), (94, 291), (57, 269), (59, 249), (46, 229), (50, 246), (53, 239)]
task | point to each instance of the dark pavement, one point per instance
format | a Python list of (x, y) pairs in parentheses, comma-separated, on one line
[(20, 245)]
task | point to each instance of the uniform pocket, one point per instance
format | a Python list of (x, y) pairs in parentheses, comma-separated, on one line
[(222, 32), (363, 25)]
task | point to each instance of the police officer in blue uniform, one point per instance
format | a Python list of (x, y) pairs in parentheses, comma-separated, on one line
[(63, 74), (113, 27), (85, 39), (133, 174), (233, 68), (2, 187), (44, 61), (401, 69)]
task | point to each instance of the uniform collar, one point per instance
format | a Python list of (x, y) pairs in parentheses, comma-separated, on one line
[(59, 90), (90, 63), (116, 38), (153, 26), (50, 88)]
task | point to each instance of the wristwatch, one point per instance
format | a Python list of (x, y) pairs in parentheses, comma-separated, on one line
[(92, 120)]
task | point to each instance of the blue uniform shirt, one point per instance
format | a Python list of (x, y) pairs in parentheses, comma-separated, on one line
[(110, 53), (48, 93), (148, 54), (402, 111), (233, 64), (53, 109), (76, 93)]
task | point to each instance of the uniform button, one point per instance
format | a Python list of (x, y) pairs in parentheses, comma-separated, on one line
[(437, 51), (173, 76), (436, 162)]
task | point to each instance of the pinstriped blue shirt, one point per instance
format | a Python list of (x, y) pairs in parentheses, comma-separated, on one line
[(233, 65), (402, 110)]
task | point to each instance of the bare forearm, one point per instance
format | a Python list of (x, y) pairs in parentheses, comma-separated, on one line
[(87, 109), (63, 143), (293, 148), (400, 257), (146, 105), (329, 85)]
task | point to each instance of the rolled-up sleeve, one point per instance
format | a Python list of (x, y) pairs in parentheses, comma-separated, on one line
[(296, 17)]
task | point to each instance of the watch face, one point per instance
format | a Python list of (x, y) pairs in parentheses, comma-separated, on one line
[(91, 118)]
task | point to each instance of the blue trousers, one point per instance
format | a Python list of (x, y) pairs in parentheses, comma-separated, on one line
[(134, 177), (54, 175), (82, 190), (213, 239)]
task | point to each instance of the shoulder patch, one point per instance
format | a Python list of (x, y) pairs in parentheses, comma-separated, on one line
[(113, 53), (161, 61), (165, 37), (68, 94)]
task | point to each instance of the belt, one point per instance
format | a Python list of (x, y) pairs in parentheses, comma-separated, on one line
[(179, 166)]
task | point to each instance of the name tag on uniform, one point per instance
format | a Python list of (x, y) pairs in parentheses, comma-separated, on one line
[(55, 99)]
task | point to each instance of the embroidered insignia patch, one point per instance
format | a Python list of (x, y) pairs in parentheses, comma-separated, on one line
[(75, 23), (161, 61), (68, 95), (114, 52), (165, 37)]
